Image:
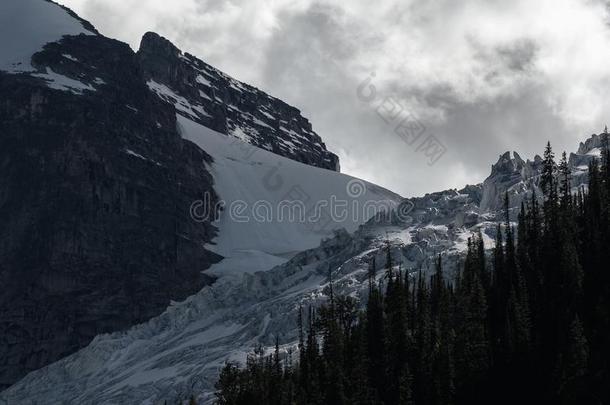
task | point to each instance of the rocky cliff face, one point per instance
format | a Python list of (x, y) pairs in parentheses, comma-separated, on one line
[(95, 189), (217, 101), (96, 182)]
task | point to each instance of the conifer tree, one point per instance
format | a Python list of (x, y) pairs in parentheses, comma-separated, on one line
[(376, 341), (472, 342)]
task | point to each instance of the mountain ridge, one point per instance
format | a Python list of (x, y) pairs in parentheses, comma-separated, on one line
[(217, 101)]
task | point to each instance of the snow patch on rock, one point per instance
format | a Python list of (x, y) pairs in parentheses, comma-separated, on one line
[(26, 26)]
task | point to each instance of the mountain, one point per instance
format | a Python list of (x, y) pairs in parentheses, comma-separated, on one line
[(140, 195), (172, 346), (97, 182), (180, 352)]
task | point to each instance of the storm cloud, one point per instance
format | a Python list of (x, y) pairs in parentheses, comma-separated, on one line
[(479, 77)]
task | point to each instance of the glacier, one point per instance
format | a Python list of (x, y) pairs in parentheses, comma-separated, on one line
[(262, 282)]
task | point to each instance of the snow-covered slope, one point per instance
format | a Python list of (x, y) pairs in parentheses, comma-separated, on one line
[(181, 351), (27, 25), (264, 184)]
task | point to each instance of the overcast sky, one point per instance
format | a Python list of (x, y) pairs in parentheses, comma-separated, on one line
[(480, 77)]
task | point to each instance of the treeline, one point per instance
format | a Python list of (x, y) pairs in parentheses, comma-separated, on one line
[(529, 323)]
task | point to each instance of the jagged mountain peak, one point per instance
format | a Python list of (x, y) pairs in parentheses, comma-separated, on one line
[(519, 178), (152, 42), (214, 99), (510, 173), (588, 151), (508, 162)]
